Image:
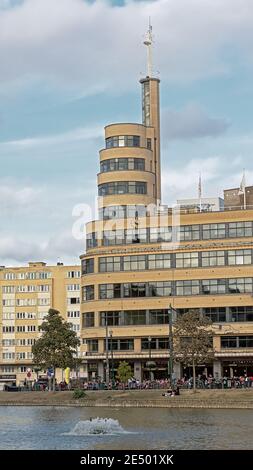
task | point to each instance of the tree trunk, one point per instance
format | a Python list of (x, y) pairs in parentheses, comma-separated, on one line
[(54, 380), (194, 376)]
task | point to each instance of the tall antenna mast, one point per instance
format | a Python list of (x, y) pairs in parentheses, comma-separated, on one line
[(149, 42)]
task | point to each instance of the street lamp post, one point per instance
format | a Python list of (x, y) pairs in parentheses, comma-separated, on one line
[(112, 364), (149, 352), (107, 370), (171, 349)]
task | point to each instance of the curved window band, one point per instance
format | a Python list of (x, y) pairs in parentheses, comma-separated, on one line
[(122, 164), (122, 141), (122, 187)]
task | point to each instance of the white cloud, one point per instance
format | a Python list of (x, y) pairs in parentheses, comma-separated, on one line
[(36, 222), (96, 45), (74, 135), (16, 250), (191, 122), (14, 198), (217, 173)]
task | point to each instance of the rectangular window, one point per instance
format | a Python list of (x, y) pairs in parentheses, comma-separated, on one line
[(228, 342), (112, 212), (28, 302), (109, 264), (189, 232), (109, 291), (135, 317), (239, 257), (8, 302), (92, 345), (136, 211), (9, 276), (8, 289), (43, 302), (135, 289), (215, 314), (160, 234), (8, 329), (88, 293), (74, 274), (155, 343), (113, 237), (158, 317), (88, 320), (187, 260), (44, 288), (213, 231), (136, 164), (73, 287), (241, 314), (240, 229), (134, 263), (7, 369), (240, 285), (8, 316), (21, 329), (73, 314), (9, 355), (213, 258), (88, 266), (159, 261), (120, 344), (8, 342), (245, 342), (214, 286), (91, 240), (111, 318), (160, 289), (75, 327), (187, 287), (136, 235), (141, 187)]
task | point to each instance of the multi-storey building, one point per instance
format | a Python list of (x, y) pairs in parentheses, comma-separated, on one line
[(143, 257), (26, 294)]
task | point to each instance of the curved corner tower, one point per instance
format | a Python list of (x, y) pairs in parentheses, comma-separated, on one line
[(130, 177), (129, 192)]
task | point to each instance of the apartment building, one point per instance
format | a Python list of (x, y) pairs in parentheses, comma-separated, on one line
[(26, 294)]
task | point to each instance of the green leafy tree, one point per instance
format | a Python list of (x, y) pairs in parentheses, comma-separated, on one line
[(57, 346), (124, 372), (193, 340)]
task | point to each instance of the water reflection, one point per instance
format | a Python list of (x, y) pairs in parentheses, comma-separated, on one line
[(50, 428)]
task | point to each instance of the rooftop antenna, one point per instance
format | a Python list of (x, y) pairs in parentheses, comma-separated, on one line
[(200, 192), (149, 42)]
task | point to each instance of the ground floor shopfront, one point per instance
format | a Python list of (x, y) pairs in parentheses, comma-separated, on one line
[(144, 368), (158, 368)]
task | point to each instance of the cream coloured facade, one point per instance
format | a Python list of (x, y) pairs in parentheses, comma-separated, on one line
[(26, 294), (143, 257)]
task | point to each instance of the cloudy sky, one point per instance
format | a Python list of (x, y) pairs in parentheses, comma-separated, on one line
[(69, 67)]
